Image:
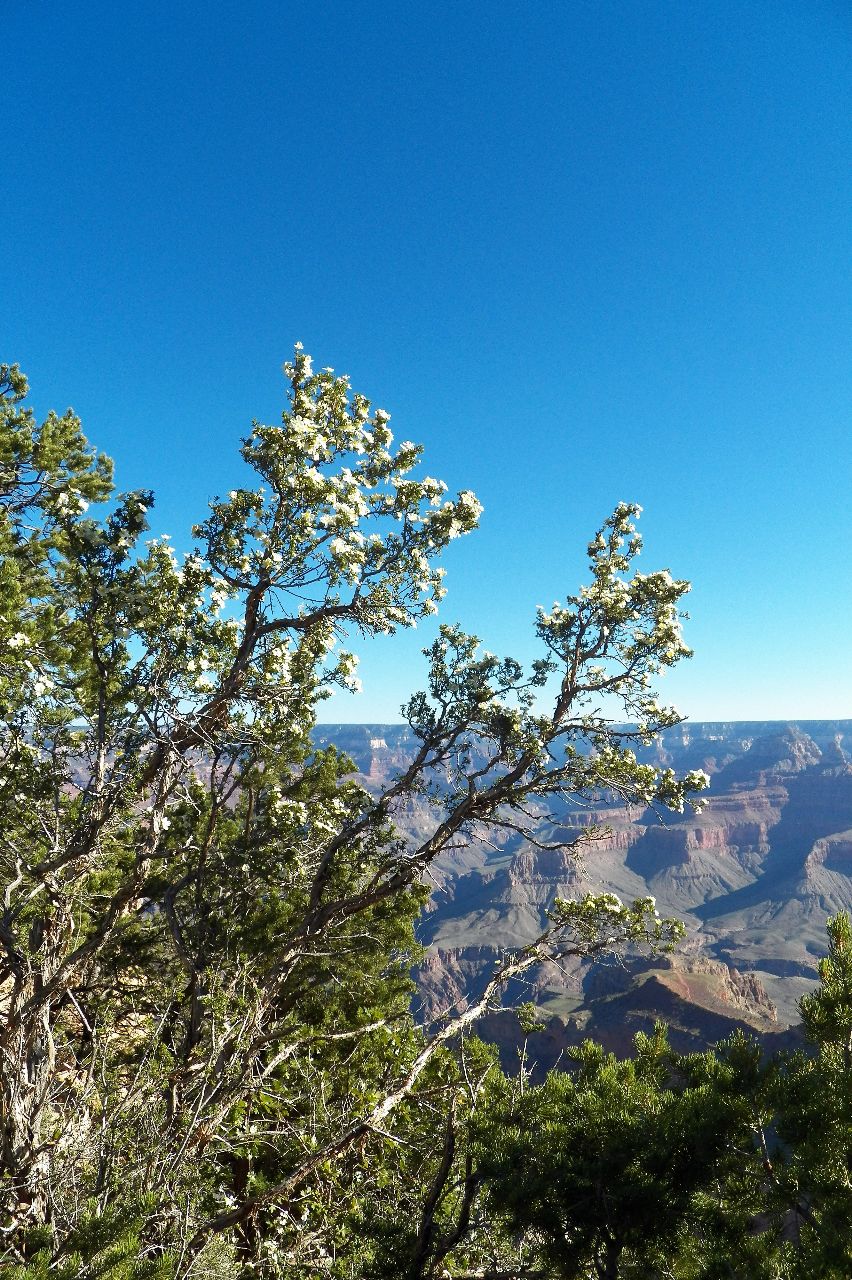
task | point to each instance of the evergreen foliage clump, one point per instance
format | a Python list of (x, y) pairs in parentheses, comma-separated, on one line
[(208, 1063)]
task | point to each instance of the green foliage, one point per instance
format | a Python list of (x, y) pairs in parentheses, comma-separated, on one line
[(701, 1167), (815, 1120), (589, 1160), (208, 924), (827, 1012), (208, 1063), (103, 1246)]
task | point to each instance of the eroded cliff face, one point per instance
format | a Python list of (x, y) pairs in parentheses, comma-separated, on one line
[(754, 877)]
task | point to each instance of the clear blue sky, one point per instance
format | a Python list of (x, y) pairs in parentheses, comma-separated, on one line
[(585, 251)]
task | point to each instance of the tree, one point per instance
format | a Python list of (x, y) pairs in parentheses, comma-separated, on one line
[(207, 925), (813, 1191), (722, 1165), (603, 1164)]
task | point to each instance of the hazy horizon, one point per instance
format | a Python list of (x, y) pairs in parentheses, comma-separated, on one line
[(791, 721)]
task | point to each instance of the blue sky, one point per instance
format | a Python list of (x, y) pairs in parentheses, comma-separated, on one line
[(585, 251)]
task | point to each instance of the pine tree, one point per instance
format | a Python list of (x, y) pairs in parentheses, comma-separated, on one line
[(207, 924)]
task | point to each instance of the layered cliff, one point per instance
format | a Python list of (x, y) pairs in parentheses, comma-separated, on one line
[(754, 877)]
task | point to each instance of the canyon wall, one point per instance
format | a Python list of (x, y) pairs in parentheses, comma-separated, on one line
[(754, 877)]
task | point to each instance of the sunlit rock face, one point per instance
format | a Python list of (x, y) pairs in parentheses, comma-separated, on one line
[(754, 877)]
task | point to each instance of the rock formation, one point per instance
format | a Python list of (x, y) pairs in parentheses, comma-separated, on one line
[(754, 877)]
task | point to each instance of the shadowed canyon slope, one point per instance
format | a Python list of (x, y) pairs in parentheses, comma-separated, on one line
[(754, 877)]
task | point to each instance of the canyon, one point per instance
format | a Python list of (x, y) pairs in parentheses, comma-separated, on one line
[(753, 877)]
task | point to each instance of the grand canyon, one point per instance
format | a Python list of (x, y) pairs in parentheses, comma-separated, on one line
[(753, 877)]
